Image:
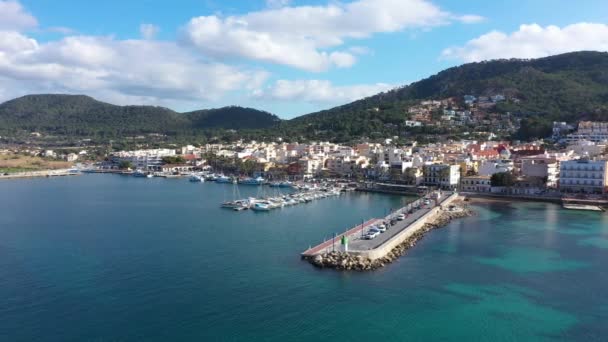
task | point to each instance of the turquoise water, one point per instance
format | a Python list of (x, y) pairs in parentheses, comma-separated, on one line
[(111, 258)]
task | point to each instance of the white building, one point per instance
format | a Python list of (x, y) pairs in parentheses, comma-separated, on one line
[(310, 166), (590, 130), (346, 165), (71, 157), (476, 184), (490, 167), (143, 159), (583, 175), (587, 148), (442, 175)]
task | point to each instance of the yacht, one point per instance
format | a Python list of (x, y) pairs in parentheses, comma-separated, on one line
[(223, 179), (141, 174), (261, 206), (253, 181), (286, 184), (196, 178)]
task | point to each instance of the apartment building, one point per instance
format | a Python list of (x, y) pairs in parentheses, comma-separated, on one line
[(583, 175)]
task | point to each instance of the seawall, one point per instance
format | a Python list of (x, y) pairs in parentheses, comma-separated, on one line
[(389, 245)]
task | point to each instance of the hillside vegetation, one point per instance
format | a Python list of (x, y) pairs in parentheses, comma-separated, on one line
[(81, 116), (568, 87)]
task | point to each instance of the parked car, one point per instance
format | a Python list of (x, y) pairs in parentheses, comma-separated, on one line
[(371, 234), (427, 202), (381, 228), (393, 222), (401, 217)]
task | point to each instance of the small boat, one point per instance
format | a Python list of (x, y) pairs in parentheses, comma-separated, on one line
[(241, 206), (140, 174), (286, 185), (261, 206), (252, 181), (574, 206), (223, 179), (196, 178)]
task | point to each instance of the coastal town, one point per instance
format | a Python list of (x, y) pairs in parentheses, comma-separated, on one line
[(573, 165)]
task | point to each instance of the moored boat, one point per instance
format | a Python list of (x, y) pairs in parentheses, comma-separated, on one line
[(196, 178), (252, 181)]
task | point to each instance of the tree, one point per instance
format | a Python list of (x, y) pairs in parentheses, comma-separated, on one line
[(174, 160), (502, 179), (125, 165)]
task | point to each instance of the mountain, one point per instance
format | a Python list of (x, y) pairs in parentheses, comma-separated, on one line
[(79, 115), (233, 118), (568, 87)]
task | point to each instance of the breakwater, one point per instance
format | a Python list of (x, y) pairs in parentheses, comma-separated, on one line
[(341, 260), (39, 174)]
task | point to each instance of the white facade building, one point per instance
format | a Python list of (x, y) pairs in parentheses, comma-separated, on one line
[(490, 167), (143, 159), (583, 175), (442, 175), (589, 130)]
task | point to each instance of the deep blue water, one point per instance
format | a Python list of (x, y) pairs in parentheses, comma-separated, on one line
[(112, 258)]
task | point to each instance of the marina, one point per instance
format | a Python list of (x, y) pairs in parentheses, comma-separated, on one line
[(268, 203)]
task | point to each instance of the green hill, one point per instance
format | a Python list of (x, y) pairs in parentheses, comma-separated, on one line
[(78, 115), (568, 87)]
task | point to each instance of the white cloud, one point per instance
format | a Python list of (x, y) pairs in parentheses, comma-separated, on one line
[(306, 37), (470, 18), (148, 31), (277, 3), (532, 41), (116, 70), (61, 29), (318, 91), (14, 17)]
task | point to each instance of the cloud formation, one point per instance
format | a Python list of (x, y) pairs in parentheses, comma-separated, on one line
[(277, 3), (318, 91), (14, 17), (148, 31), (306, 37), (532, 41), (116, 70)]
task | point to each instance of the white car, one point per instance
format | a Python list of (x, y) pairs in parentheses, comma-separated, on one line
[(381, 228), (427, 202), (401, 217), (373, 233)]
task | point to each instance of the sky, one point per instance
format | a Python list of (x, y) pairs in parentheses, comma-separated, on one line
[(288, 57)]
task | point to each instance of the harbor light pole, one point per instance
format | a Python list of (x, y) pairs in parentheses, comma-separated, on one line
[(333, 243)]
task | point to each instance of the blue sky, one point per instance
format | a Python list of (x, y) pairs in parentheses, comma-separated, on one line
[(287, 57)]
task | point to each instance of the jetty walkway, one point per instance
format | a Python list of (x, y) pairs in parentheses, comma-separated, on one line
[(38, 174), (416, 215)]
